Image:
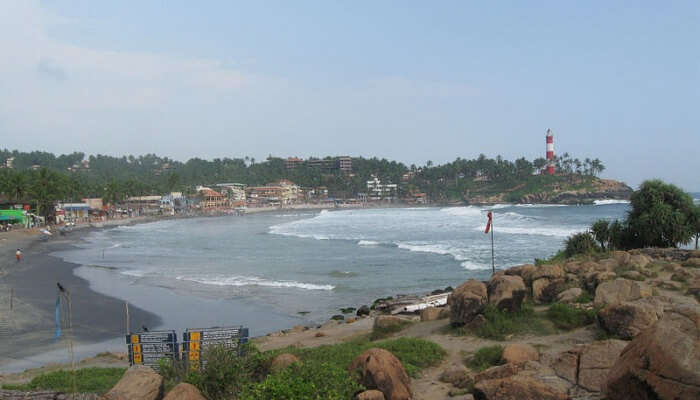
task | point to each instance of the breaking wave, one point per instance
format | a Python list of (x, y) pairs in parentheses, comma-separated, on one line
[(610, 201), (253, 281)]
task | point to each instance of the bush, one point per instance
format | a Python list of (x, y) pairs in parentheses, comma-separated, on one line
[(501, 323), (485, 358), (87, 380), (585, 297), (567, 317), (324, 380), (601, 232), (580, 243), (384, 332)]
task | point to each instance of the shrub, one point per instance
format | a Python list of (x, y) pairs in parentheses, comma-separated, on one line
[(601, 232), (501, 323), (384, 332), (580, 243), (567, 317), (585, 297), (485, 358), (87, 380)]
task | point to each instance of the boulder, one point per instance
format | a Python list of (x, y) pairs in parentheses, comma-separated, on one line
[(662, 362), (587, 366), (506, 292), (524, 271), (670, 285), (626, 320), (516, 388), (622, 257), (619, 291), (569, 295), (467, 301), (497, 372), (633, 275), (550, 292), (381, 370), (283, 361), (458, 376), (595, 361), (370, 395), (548, 271), (591, 280), (693, 262), (518, 353), (639, 261), (430, 314), (362, 311), (538, 288), (608, 264), (137, 383), (184, 391)]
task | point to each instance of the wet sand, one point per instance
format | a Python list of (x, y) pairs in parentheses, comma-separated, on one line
[(27, 333)]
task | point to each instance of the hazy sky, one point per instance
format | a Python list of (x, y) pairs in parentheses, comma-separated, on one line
[(407, 80)]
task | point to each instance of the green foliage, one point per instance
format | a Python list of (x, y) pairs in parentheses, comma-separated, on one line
[(325, 380), (485, 357), (323, 373), (567, 317), (386, 331), (501, 323), (661, 216), (601, 232), (87, 380), (560, 256), (585, 297), (580, 243)]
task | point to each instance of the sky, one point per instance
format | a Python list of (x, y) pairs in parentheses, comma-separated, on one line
[(406, 80)]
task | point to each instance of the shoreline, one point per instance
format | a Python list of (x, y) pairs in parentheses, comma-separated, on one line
[(28, 331)]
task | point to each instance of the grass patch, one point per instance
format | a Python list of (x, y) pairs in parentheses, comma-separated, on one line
[(485, 357), (322, 374), (87, 380), (567, 317), (583, 298), (386, 331), (500, 324)]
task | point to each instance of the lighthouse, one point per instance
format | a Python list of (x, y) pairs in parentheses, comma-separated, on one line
[(550, 152)]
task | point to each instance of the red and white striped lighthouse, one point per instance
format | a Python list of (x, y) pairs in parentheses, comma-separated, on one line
[(550, 152)]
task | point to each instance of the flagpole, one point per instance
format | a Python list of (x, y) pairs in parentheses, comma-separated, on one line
[(493, 259)]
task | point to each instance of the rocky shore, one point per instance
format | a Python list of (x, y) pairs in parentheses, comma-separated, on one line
[(642, 340)]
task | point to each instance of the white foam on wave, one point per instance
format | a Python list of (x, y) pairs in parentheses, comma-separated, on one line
[(610, 201), (253, 281), (541, 205), (134, 272), (471, 265), (536, 230), (367, 243), (468, 211)]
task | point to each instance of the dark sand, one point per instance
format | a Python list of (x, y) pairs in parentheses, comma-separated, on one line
[(28, 331)]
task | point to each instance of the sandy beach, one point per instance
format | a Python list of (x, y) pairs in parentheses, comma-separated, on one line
[(27, 332)]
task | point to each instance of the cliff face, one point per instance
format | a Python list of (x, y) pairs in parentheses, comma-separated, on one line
[(599, 189)]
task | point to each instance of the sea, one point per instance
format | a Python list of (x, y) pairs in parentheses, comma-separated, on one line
[(271, 271)]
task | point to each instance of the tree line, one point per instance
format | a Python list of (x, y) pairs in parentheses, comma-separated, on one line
[(42, 177)]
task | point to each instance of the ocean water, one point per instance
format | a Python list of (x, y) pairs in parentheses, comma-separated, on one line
[(270, 271)]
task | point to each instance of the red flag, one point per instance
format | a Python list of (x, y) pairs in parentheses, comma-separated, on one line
[(488, 224)]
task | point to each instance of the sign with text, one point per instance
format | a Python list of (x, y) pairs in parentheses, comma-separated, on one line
[(196, 341), (148, 348)]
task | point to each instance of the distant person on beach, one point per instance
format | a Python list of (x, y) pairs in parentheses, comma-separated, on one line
[(18, 254)]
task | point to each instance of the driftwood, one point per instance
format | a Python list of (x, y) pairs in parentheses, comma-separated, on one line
[(411, 304), (19, 395)]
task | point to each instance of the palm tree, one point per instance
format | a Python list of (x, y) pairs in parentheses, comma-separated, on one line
[(17, 187)]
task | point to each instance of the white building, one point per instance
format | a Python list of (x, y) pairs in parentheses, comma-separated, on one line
[(376, 190)]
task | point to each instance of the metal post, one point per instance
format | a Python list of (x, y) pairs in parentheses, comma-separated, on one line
[(126, 305), (12, 297), (493, 259)]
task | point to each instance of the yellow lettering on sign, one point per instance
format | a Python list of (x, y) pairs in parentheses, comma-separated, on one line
[(194, 356), (137, 359), (195, 336), (134, 338), (194, 346), (137, 348)]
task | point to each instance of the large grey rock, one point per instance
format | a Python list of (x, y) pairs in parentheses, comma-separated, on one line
[(467, 301), (137, 383), (626, 320), (620, 291), (380, 369), (506, 292), (662, 362)]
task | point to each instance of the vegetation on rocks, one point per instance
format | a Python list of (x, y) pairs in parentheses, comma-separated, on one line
[(567, 317), (485, 358)]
